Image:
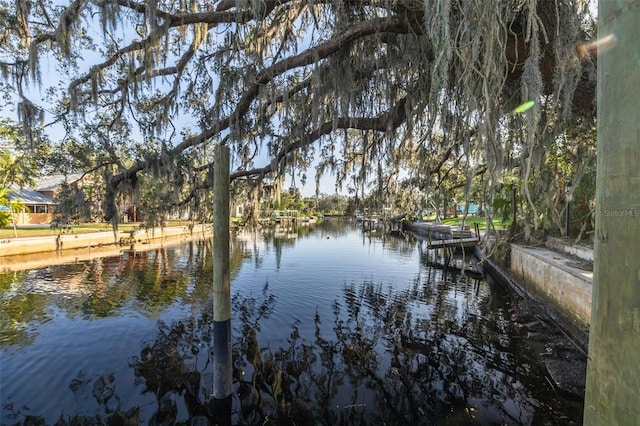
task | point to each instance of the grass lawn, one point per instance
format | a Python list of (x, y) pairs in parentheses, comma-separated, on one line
[(83, 228), (471, 220)]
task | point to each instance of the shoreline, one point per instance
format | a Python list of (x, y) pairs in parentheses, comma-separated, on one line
[(550, 331), (41, 251)]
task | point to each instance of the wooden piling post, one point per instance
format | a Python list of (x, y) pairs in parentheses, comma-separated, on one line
[(222, 360), (613, 368)]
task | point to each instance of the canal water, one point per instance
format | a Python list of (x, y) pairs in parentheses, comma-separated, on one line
[(330, 326)]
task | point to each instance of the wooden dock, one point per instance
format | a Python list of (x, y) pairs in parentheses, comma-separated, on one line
[(444, 236), (386, 224), (454, 242), (284, 217)]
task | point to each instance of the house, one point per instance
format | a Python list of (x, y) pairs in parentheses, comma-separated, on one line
[(39, 208), (39, 201), (50, 185)]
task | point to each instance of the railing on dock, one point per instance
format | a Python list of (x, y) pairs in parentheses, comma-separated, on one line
[(384, 223), (285, 216), (444, 236)]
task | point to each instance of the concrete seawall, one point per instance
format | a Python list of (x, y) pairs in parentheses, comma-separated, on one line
[(34, 252), (553, 276)]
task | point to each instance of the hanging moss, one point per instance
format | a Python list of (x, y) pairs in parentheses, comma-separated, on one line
[(377, 84)]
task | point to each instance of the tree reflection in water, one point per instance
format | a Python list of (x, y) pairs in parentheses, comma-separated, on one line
[(438, 351), (176, 369), (390, 359)]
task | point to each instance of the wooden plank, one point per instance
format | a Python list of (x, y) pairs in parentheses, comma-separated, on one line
[(462, 234), (454, 242)]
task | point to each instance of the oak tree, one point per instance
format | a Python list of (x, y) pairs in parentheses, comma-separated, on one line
[(357, 89)]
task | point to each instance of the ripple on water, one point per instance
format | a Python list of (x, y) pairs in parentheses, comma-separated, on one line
[(345, 326)]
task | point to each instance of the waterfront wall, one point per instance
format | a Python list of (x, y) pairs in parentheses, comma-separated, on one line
[(46, 250), (583, 253), (554, 277)]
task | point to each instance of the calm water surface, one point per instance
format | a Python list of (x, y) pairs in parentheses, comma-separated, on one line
[(330, 326)]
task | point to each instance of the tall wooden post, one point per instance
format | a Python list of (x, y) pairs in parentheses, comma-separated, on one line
[(613, 369), (222, 360)]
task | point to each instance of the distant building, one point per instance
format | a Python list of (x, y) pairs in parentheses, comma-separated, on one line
[(50, 185), (39, 208), (39, 201), (474, 209)]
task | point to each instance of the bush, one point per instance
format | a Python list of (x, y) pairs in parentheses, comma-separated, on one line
[(5, 219)]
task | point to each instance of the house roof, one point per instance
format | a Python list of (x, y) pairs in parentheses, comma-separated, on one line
[(53, 182), (30, 196)]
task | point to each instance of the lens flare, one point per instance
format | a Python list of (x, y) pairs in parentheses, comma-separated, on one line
[(597, 47), (523, 107)]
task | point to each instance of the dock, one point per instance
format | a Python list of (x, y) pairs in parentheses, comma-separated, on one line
[(386, 224), (454, 242), (284, 217), (445, 236)]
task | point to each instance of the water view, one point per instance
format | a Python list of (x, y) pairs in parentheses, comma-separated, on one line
[(330, 326)]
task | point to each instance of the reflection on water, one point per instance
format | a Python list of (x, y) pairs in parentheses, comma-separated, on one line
[(330, 326)]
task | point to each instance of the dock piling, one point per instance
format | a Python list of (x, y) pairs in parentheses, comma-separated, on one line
[(222, 359)]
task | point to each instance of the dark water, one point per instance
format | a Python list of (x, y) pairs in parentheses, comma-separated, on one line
[(329, 327)]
